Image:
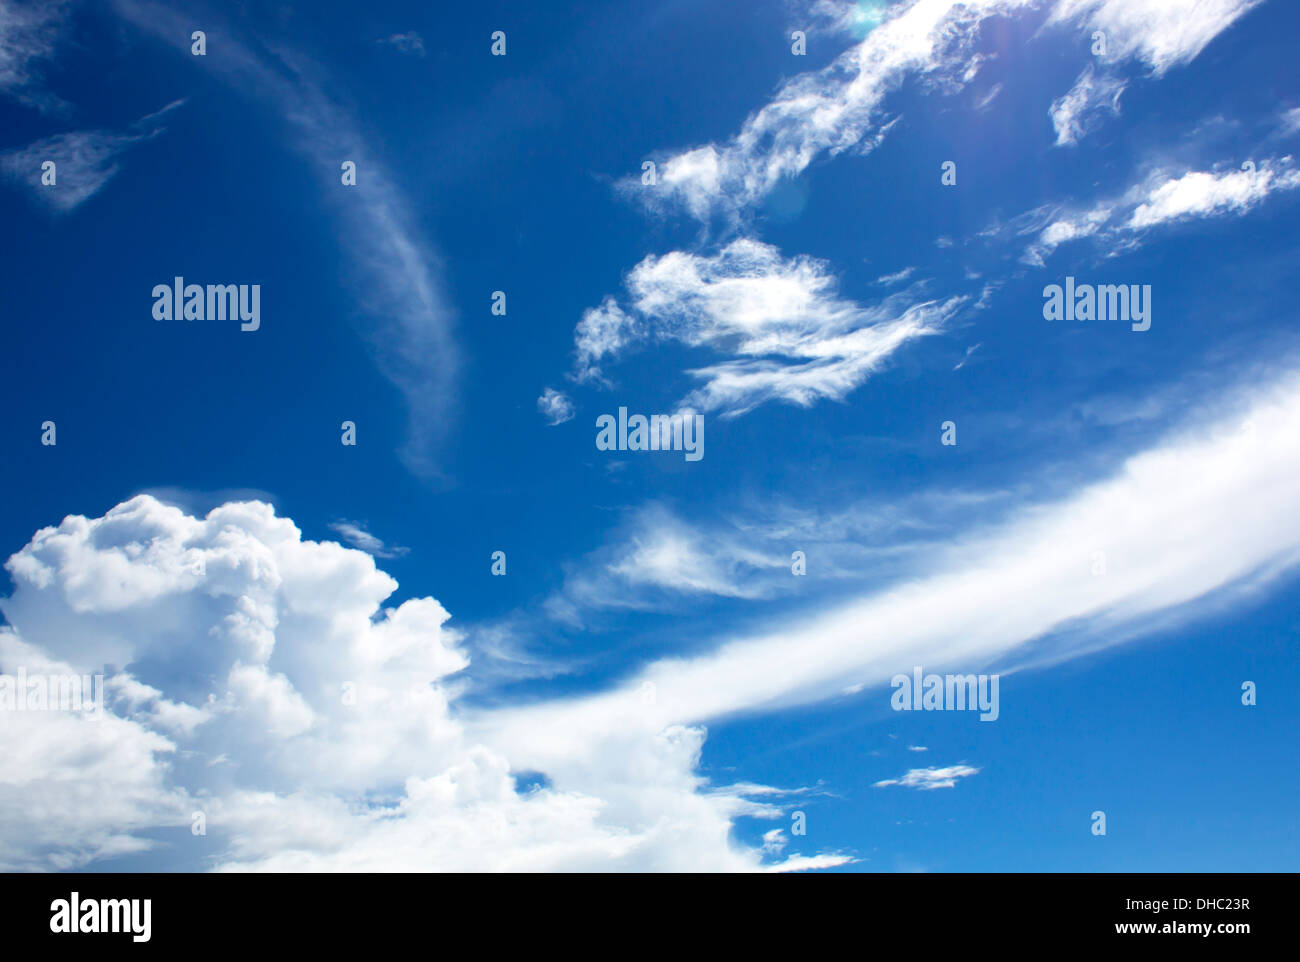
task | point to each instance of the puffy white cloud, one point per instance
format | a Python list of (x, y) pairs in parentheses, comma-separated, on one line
[(257, 678), (928, 779)]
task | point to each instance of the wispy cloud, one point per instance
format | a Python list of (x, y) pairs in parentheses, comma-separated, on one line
[(791, 337), (85, 160), (1164, 197), (357, 536), (828, 111), (29, 33), (928, 779), (398, 285), (1076, 113), (409, 43), (889, 280), (1210, 508)]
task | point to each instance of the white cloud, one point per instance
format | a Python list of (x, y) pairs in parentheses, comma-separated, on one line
[(1161, 33), (555, 406), (1165, 197), (826, 111), (1210, 509), (657, 557), (889, 280), (928, 779), (1077, 113), (603, 331), (1204, 194), (791, 337), (266, 685)]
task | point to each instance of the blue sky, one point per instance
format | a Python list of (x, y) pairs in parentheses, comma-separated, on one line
[(650, 685)]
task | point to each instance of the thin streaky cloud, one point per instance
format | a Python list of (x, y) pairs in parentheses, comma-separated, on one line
[(357, 536), (1210, 508), (85, 160), (1164, 197), (398, 283)]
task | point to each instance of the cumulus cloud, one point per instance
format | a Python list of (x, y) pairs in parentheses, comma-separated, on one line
[(928, 779), (258, 678), (791, 337), (555, 406)]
